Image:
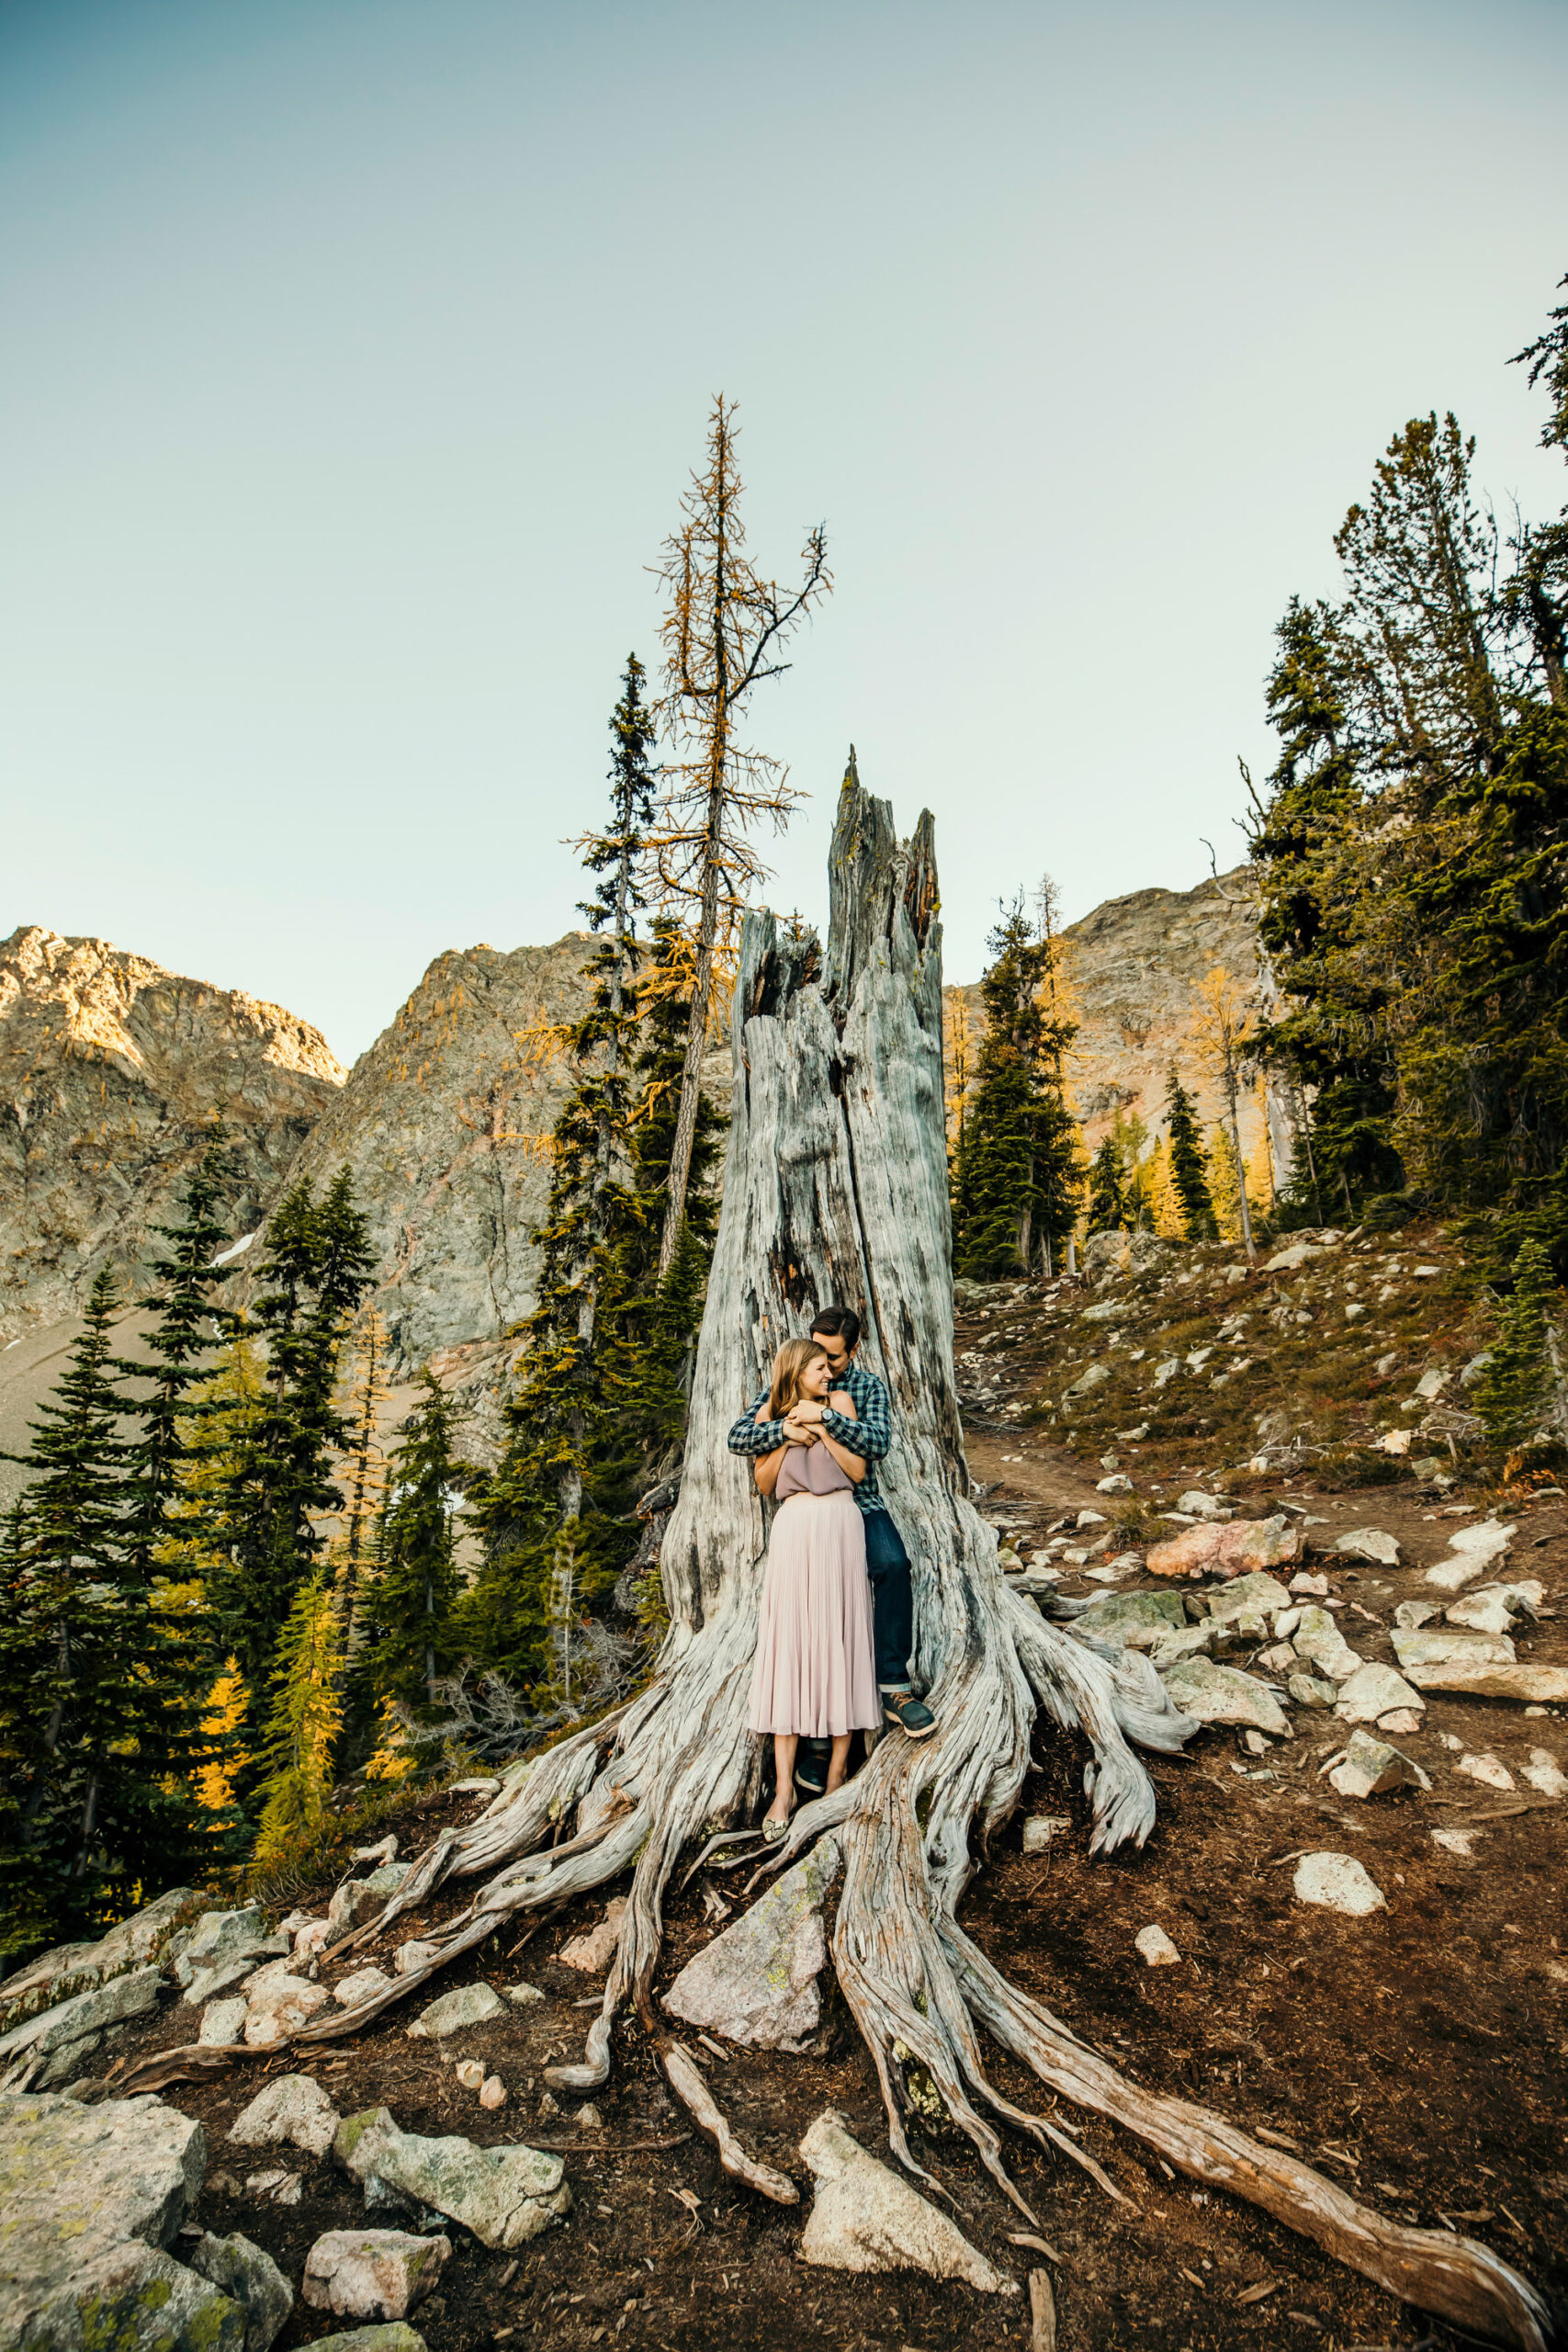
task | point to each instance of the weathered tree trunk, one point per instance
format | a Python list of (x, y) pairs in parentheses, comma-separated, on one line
[(836, 1190)]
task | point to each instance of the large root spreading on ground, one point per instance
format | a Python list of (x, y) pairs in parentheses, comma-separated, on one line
[(836, 1190), (677, 1768)]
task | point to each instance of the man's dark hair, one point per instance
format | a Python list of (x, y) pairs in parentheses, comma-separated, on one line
[(838, 1323)]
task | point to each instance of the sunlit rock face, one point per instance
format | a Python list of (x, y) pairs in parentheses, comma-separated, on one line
[(110, 1071)]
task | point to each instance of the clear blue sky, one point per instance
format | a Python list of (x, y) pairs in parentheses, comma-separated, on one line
[(355, 353)]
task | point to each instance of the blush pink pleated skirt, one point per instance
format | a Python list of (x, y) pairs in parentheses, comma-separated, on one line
[(815, 1665)]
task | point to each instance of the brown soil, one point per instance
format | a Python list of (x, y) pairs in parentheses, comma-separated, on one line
[(1417, 2056)]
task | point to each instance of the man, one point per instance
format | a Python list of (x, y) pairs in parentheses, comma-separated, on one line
[(837, 1332)]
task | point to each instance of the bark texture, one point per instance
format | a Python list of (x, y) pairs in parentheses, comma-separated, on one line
[(836, 1191)]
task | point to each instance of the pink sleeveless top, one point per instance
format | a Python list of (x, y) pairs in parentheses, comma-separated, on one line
[(810, 1470)]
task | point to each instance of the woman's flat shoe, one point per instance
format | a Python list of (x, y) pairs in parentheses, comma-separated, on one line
[(773, 1830)]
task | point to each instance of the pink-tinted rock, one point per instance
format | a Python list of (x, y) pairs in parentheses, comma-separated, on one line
[(372, 2274), (595, 1948), (493, 2092), (1233, 1549)]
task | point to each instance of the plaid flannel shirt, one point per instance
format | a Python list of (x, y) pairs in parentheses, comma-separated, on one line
[(869, 1436)]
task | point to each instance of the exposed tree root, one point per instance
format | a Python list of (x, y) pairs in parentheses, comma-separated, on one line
[(684, 2079), (836, 1189)]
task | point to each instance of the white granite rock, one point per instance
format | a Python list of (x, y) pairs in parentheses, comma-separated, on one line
[(1336, 1883), (1369, 1543), (1425, 1645), (373, 2274), (864, 2218), (470, 2004), (1490, 1770), (1223, 1694), (1155, 1948), (757, 1983), (360, 1986), (1374, 1691), (1474, 1548), (291, 2111), (222, 2023), (1369, 1767), (278, 2007), (1317, 1637)]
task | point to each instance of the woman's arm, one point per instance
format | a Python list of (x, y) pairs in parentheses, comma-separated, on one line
[(766, 1469), (852, 1464)]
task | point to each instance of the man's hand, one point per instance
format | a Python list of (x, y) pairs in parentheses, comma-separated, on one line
[(798, 1432), (806, 1408)]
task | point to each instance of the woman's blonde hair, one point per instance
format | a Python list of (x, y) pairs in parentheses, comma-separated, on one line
[(788, 1365)]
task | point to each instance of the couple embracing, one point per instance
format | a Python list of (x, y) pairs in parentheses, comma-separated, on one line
[(837, 1622)]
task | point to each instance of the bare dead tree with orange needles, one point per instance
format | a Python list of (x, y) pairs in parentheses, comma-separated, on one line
[(724, 633)]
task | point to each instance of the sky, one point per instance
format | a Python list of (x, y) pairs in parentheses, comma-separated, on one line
[(358, 352)]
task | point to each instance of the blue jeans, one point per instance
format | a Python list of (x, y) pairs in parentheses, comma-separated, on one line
[(893, 1607)]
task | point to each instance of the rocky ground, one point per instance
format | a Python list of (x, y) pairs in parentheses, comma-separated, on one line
[(1413, 2051)]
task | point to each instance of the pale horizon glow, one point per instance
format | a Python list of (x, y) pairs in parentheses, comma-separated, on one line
[(358, 352)]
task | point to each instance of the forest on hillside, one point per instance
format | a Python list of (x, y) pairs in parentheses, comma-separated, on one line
[(230, 1621)]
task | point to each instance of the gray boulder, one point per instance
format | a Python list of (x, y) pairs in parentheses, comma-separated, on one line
[(504, 2196), (222, 1936), (1223, 1694), (292, 2110), (88, 2197), (757, 1983), (77, 1968), (249, 2278), (82, 2017)]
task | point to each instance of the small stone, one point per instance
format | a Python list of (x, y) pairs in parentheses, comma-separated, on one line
[(864, 2218), (1155, 1948), (387, 1880), (525, 1996), (292, 2110), (493, 2092), (416, 1954), (1336, 1883), (222, 2024), (1490, 1770), (1371, 1769), (1457, 1841), (1202, 1504), (588, 2119), (593, 1950), (1374, 1691), (1543, 1772), (1112, 1571), (1255, 1743), (1490, 1609), (1087, 1518), (281, 2187), (548, 2106), (1307, 1691), (471, 2073), (250, 2278), (310, 1938), (1040, 1829), (362, 1985), (1117, 1484), (1278, 1659), (384, 1851), (1317, 1638), (1413, 1614), (470, 2004), (1369, 1543), (278, 2007), (1309, 1588), (372, 2274), (1399, 1722)]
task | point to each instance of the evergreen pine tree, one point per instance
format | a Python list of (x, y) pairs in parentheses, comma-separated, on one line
[(1517, 1391), (303, 1721), (183, 1334), (100, 1680), (1107, 1210), (1188, 1171), (416, 1584), (1023, 1159), (281, 1477)]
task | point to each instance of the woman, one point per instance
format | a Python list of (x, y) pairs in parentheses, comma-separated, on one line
[(815, 1668)]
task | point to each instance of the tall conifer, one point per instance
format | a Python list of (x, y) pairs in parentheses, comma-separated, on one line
[(1189, 1170)]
